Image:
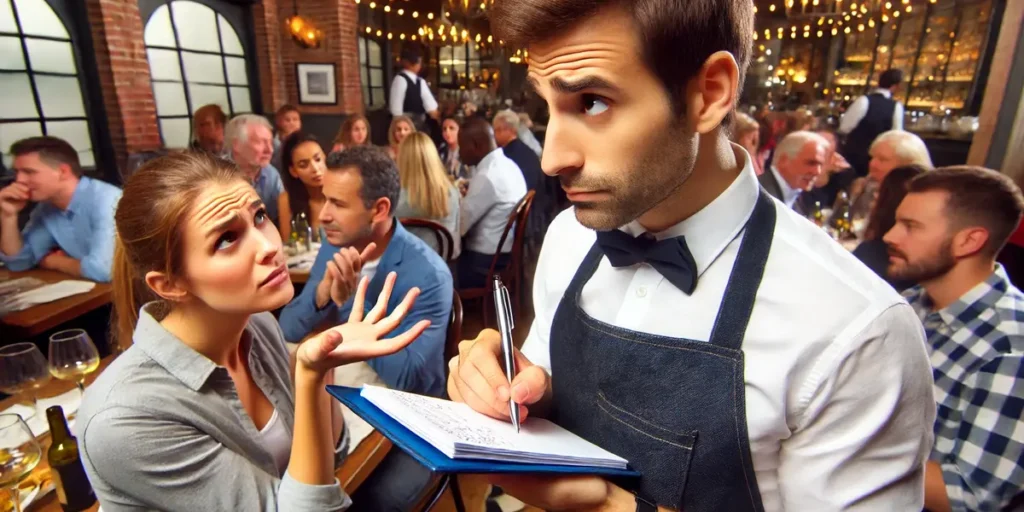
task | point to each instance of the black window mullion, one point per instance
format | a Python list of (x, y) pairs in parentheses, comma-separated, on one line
[(181, 65), (224, 65), (28, 67)]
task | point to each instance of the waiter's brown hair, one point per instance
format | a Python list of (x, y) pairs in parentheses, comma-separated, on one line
[(677, 36)]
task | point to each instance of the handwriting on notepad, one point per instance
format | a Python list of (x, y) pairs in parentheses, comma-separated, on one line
[(446, 416)]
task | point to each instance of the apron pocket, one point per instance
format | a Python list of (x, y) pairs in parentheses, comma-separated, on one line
[(661, 456)]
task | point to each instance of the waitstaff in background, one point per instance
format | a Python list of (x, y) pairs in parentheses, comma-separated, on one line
[(730, 350), (410, 94), (870, 116)]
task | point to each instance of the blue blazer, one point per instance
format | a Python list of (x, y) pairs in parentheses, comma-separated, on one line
[(418, 368)]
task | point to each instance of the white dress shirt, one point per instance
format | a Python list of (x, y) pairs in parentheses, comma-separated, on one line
[(838, 383), (789, 194), (398, 87), (859, 109), (496, 188)]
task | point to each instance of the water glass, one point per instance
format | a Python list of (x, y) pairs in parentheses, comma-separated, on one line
[(23, 370), (73, 356), (19, 454)]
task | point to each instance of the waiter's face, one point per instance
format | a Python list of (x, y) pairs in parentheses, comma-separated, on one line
[(921, 242), (613, 138)]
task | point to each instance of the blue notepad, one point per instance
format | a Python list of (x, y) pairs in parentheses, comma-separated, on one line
[(437, 461)]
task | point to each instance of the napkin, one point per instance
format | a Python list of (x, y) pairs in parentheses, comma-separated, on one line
[(47, 293), (36, 422)]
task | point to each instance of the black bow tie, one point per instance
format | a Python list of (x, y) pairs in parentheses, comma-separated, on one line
[(671, 257)]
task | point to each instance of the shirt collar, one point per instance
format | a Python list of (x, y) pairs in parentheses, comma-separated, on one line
[(980, 298), (489, 160), (789, 194), (884, 92), (260, 178), (81, 195), (185, 364), (711, 229)]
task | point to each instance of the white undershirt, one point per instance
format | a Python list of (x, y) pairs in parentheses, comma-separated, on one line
[(838, 383), (789, 194), (274, 437)]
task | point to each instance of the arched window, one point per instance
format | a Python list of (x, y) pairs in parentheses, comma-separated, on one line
[(371, 71), (40, 90), (195, 58)]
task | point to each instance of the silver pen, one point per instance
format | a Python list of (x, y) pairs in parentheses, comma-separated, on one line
[(503, 311)]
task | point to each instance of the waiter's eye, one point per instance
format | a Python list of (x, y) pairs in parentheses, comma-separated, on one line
[(594, 105)]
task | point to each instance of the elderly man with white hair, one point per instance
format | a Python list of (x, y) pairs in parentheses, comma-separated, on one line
[(250, 141), (799, 160), (891, 149)]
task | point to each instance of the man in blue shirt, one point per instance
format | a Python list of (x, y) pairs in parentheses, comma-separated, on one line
[(71, 230), (250, 141), (361, 187)]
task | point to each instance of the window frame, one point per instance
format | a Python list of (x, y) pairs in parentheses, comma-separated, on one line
[(369, 68)]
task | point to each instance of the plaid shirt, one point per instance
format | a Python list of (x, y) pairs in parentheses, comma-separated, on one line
[(977, 355)]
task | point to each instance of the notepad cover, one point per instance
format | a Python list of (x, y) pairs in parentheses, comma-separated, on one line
[(438, 462)]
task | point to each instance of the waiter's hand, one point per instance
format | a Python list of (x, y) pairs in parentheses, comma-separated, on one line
[(478, 378), (589, 493)]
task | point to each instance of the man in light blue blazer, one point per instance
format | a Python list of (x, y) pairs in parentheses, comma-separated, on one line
[(362, 187)]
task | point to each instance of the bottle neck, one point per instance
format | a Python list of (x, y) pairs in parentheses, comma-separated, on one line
[(59, 430)]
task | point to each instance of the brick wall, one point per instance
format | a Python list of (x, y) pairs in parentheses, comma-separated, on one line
[(267, 30), (124, 76)]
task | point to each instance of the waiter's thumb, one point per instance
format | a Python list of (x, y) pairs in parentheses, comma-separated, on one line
[(529, 385)]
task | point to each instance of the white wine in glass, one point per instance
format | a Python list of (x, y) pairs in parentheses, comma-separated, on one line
[(23, 370), (19, 454), (73, 356)]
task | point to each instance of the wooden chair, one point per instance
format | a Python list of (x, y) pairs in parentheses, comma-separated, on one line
[(454, 336), (445, 241), (512, 274)]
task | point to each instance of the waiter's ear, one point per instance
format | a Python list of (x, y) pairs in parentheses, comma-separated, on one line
[(711, 94)]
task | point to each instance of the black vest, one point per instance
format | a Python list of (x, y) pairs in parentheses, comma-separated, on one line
[(413, 103), (877, 120)]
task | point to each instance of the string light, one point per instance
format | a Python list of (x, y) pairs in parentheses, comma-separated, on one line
[(387, 8), (430, 15), (415, 14), (910, 8), (771, 7)]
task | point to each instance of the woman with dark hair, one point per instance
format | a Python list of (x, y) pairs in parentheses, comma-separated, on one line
[(872, 251), (303, 164), (206, 410)]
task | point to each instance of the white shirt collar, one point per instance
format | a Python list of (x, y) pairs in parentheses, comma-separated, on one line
[(712, 228), (410, 74), (884, 92), (789, 194), (488, 160)]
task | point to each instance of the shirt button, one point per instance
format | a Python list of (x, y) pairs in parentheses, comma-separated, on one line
[(641, 291)]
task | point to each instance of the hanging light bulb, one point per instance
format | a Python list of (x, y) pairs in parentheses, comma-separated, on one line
[(401, 12), (771, 7), (387, 8), (402, 37), (415, 14), (368, 30), (430, 15)]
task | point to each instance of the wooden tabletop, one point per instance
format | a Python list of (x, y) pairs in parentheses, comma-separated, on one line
[(38, 319)]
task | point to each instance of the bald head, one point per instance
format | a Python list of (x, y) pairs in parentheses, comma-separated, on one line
[(476, 140)]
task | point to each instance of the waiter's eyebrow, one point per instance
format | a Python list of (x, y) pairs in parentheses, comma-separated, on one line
[(583, 84)]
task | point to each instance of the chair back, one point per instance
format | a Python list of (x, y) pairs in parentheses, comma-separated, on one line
[(444, 238), (454, 335), (516, 221)]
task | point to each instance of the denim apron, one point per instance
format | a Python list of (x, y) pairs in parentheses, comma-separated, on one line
[(674, 408)]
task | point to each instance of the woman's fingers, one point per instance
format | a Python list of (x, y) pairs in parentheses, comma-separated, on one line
[(381, 306), (359, 301), (395, 318)]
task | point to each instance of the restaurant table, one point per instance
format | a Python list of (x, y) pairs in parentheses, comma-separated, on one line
[(40, 318), (354, 471)]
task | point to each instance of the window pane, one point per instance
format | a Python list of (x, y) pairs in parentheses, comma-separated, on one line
[(229, 38), (206, 94), (364, 77), (175, 133), (158, 29), (37, 19), (75, 133), (378, 96), (203, 68), (362, 48), (196, 25), (374, 53), (236, 71), (16, 102), (376, 78), (7, 17), (86, 158), (164, 65), (240, 100), (366, 98), (170, 99), (50, 56), (11, 56), (60, 96), (13, 132)]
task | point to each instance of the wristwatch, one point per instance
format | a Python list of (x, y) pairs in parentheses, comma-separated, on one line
[(643, 505)]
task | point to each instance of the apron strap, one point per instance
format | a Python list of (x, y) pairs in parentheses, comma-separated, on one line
[(583, 272), (745, 279)]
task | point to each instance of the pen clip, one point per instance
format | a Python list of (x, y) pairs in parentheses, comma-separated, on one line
[(507, 302)]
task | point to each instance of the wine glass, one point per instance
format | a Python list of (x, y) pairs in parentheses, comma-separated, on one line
[(19, 454), (23, 370), (73, 356)]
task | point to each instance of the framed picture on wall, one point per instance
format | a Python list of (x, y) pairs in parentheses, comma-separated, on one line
[(316, 84)]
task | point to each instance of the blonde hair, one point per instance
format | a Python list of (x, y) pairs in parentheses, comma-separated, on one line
[(423, 176), (909, 148), (742, 125), (394, 127)]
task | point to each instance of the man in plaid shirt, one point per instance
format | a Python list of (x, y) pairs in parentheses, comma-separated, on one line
[(949, 229)]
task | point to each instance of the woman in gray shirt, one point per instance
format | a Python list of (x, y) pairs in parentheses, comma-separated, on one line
[(427, 192), (201, 412)]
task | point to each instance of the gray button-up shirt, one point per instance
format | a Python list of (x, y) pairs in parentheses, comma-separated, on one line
[(163, 428)]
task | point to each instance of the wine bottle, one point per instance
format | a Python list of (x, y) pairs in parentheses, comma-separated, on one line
[(73, 489)]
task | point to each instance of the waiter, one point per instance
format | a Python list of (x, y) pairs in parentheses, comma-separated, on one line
[(410, 95), (733, 353), (870, 116)]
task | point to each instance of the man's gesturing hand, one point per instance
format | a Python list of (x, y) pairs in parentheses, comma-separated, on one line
[(341, 275)]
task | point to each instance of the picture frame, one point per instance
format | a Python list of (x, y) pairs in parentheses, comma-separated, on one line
[(317, 85)]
